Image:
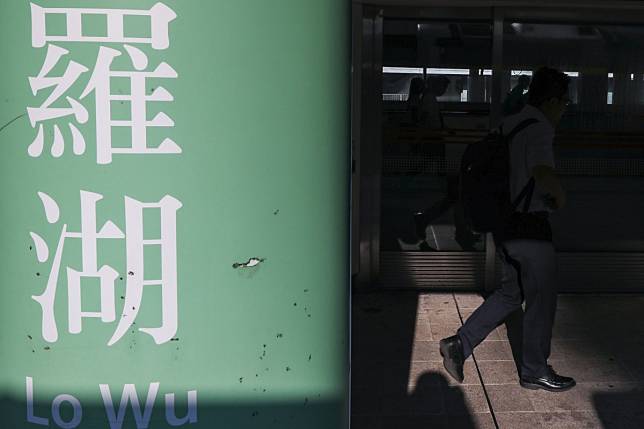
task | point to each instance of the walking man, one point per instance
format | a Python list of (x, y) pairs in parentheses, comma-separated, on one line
[(524, 242)]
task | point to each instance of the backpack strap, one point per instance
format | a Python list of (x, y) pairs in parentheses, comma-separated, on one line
[(525, 195), (520, 127)]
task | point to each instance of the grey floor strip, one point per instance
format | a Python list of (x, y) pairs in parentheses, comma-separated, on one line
[(478, 370)]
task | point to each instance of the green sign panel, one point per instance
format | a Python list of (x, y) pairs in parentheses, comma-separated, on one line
[(175, 214)]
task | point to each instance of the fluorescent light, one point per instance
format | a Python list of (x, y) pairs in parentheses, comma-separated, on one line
[(402, 70), (460, 72), (610, 76), (529, 73), (487, 72)]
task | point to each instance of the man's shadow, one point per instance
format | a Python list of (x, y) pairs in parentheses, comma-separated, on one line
[(385, 340)]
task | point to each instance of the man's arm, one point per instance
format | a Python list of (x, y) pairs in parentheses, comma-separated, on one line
[(546, 179)]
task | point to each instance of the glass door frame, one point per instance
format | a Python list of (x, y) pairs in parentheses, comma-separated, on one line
[(368, 108)]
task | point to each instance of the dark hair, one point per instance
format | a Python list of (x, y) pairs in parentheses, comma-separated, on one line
[(547, 83), (437, 85), (524, 80), (416, 87)]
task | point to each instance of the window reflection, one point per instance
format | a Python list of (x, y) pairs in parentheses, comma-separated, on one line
[(437, 89)]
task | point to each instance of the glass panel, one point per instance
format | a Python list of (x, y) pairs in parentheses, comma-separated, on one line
[(436, 94)]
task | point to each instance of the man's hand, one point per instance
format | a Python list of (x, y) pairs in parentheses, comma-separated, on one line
[(547, 181), (553, 203)]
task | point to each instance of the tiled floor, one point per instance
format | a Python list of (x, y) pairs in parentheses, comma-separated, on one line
[(399, 382)]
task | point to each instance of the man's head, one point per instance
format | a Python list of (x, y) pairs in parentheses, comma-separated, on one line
[(549, 93), (437, 85), (524, 81), (416, 87)]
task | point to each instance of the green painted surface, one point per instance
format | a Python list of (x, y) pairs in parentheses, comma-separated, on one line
[(261, 115)]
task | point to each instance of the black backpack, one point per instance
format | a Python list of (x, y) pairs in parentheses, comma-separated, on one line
[(485, 181)]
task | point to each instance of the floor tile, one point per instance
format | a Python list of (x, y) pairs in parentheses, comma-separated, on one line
[(442, 316), (367, 375), (499, 372), (431, 402), (473, 421), (520, 420), (414, 422), (366, 422), (443, 330), (573, 420), (465, 400), (493, 350), (426, 351), (592, 370), (509, 397), (365, 402), (576, 399), (468, 300), (399, 381), (405, 376), (470, 373)]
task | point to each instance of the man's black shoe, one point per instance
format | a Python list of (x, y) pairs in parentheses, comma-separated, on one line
[(452, 351), (551, 382)]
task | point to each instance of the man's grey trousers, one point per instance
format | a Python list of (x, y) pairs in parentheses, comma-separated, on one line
[(529, 272)]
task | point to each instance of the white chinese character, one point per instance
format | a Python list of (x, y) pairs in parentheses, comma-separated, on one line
[(89, 236), (100, 85), (45, 112), (160, 17)]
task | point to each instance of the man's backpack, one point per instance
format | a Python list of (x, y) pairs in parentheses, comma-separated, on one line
[(485, 181)]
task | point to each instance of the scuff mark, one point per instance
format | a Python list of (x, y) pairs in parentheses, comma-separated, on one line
[(252, 262), (11, 122)]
